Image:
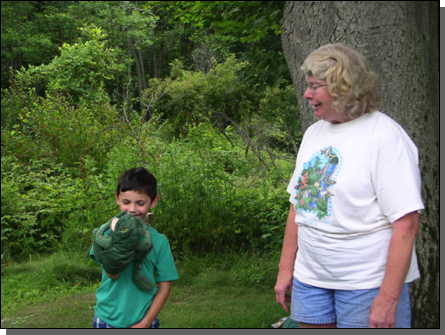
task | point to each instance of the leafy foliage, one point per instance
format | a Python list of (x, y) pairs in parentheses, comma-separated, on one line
[(150, 35), (205, 202), (253, 19), (33, 204), (80, 70), (45, 208), (221, 148), (53, 128), (255, 25), (193, 97)]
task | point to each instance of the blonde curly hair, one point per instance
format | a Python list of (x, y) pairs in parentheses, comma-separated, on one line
[(348, 74)]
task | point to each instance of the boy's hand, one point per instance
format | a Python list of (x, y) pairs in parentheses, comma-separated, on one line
[(156, 306), (113, 224), (144, 323), (114, 277)]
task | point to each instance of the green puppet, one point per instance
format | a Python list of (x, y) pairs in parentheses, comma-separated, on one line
[(122, 246)]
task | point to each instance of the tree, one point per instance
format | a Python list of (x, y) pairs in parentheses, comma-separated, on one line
[(129, 26), (81, 69), (31, 32), (254, 29), (401, 41)]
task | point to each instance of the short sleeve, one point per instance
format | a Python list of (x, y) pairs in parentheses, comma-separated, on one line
[(396, 177), (291, 188), (92, 248), (165, 264), (92, 255)]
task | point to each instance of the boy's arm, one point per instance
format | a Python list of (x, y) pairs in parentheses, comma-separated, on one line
[(156, 306)]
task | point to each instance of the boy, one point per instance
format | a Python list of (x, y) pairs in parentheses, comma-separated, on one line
[(120, 303)]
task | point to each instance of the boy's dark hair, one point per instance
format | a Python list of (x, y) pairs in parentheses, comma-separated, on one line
[(139, 180)]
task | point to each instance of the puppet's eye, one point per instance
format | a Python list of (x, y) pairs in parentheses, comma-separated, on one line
[(124, 230)]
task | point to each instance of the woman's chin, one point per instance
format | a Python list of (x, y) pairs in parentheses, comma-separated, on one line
[(319, 114)]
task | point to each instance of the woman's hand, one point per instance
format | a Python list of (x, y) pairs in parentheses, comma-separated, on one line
[(284, 285), (286, 274), (382, 313)]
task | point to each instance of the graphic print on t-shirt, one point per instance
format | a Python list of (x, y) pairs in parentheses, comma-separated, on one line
[(316, 181)]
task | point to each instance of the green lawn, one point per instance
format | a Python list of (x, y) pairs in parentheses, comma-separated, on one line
[(226, 291), (187, 307)]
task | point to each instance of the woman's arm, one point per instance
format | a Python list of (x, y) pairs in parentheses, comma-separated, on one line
[(383, 309), (156, 306), (287, 261)]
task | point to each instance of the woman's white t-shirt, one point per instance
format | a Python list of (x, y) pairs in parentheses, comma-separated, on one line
[(351, 181)]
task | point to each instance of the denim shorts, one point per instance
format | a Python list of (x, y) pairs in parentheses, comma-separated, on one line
[(346, 308)]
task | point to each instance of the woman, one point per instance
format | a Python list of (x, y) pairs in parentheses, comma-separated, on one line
[(355, 197)]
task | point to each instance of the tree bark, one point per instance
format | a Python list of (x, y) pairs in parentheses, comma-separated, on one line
[(141, 60), (401, 41), (138, 68), (61, 37), (155, 64)]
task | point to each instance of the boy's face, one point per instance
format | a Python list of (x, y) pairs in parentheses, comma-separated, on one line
[(136, 204)]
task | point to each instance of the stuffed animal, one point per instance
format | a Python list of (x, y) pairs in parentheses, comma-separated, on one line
[(122, 246)]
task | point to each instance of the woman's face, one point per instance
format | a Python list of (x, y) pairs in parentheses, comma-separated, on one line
[(321, 101)]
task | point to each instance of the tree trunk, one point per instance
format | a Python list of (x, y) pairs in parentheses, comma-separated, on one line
[(19, 61), (141, 60), (186, 41), (160, 60), (138, 69), (401, 41), (155, 63), (61, 37)]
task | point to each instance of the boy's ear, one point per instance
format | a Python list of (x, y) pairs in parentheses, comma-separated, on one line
[(117, 199), (153, 203)]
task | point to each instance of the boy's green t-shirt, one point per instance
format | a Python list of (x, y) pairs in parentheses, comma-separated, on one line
[(120, 303)]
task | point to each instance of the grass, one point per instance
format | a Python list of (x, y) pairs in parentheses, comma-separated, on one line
[(224, 307), (217, 291)]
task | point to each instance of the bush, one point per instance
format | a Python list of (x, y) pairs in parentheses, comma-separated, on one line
[(206, 203), (81, 69), (54, 129), (192, 97), (45, 208), (222, 155), (35, 202)]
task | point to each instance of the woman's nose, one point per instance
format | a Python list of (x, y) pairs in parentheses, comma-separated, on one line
[(308, 94)]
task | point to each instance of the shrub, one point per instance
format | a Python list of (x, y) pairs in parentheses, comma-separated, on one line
[(54, 129), (45, 208), (35, 201)]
